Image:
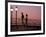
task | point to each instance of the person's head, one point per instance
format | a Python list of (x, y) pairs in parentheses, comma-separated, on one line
[(26, 14), (22, 13)]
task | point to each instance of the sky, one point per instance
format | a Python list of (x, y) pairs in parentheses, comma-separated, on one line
[(34, 12)]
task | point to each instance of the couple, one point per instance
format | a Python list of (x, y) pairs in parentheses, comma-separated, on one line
[(26, 19)]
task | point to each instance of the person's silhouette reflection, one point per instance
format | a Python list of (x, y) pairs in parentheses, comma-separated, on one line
[(22, 18), (26, 18)]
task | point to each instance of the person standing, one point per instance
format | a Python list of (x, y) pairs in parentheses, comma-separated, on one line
[(26, 18), (22, 18)]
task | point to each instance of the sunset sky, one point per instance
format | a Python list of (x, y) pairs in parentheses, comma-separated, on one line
[(34, 12)]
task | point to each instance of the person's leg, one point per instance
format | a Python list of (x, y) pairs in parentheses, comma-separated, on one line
[(22, 21)]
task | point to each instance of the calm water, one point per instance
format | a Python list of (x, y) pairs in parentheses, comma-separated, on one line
[(31, 25)]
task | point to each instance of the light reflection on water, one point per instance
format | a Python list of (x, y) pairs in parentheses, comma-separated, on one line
[(30, 22)]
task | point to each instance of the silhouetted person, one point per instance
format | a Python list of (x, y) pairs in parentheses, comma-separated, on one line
[(22, 18), (26, 18)]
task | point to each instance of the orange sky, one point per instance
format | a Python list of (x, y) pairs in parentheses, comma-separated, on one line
[(34, 12)]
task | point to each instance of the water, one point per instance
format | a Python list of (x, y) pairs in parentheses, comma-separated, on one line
[(31, 25)]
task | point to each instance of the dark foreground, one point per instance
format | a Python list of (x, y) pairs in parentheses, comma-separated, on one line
[(24, 28)]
